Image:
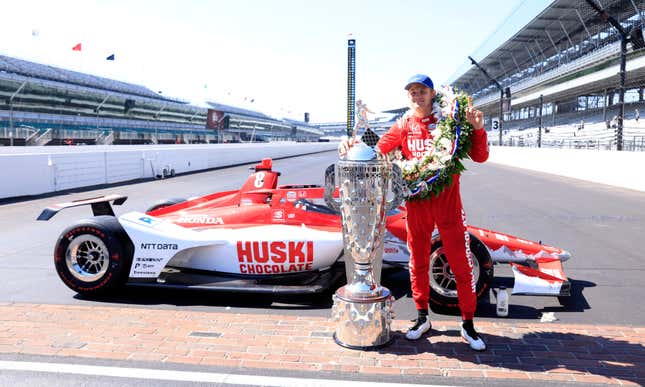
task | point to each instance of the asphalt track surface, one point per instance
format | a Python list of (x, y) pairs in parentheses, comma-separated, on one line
[(601, 226)]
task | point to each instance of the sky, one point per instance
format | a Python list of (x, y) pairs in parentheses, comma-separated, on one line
[(280, 57)]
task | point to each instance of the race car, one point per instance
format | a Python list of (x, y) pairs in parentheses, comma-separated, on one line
[(266, 238)]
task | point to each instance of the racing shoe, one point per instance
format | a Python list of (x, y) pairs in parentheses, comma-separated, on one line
[(421, 326), (473, 338)]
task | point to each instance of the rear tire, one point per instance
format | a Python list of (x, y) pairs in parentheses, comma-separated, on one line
[(93, 256), (443, 288)]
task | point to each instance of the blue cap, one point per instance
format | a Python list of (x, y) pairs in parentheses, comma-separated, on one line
[(420, 78)]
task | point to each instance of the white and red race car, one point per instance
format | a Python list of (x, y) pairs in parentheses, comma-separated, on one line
[(266, 238)]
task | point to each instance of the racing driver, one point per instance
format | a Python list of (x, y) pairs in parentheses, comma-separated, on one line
[(445, 210)]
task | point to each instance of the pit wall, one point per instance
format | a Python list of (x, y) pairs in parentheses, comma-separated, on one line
[(619, 169), (39, 170)]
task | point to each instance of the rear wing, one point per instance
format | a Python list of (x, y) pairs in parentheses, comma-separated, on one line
[(100, 206)]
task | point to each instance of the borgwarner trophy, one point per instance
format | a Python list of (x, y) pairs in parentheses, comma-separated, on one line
[(363, 308)]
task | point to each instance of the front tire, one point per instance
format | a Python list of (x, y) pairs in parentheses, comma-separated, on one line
[(93, 256), (443, 288)]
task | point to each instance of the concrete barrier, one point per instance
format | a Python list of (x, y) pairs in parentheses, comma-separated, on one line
[(38, 170), (620, 169)]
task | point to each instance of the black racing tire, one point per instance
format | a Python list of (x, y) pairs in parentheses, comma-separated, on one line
[(93, 256), (165, 203), (443, 289)]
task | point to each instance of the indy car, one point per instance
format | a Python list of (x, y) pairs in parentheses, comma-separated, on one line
[(266, 238)]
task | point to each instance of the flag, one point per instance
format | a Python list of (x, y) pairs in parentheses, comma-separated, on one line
[(110, 57), (77, 47)]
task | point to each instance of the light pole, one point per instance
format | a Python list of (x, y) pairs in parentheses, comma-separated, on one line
[(501, 96), (540, 122), (624, 38)]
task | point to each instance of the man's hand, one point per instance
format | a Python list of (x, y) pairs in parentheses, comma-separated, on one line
[(345, 144), (474, 116)]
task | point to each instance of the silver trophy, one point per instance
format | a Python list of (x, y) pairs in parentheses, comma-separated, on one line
[(363, 308)]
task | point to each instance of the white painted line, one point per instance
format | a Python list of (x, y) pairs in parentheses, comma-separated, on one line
[(188, 376)]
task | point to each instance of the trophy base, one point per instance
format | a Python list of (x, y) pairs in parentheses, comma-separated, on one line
[(362, 323)]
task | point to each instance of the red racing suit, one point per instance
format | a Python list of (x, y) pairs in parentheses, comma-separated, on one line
[(412, 135)]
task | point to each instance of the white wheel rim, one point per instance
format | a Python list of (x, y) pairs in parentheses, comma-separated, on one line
[(87, 258), (442, 280)]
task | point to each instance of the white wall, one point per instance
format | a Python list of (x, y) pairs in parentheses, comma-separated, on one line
[(37, 170), (620, 169)]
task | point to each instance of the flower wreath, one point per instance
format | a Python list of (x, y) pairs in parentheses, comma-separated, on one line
[(451, 142)]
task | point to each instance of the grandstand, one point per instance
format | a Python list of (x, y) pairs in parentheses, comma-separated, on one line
[(249, 125), (47, 105), (379, 124), (561, 71)]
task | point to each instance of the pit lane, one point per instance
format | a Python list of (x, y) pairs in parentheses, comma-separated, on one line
[(600, 225)]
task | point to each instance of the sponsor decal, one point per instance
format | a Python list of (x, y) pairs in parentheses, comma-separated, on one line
[(149, 220), (146, 259), (302, 194), (390, 250), (202, 219), (419, 145), (159, 246), (150, 273), (291, 216), (270, 257), (278, 214), (245, 202), (143, 266), (291, 195), (469, 254), (274, 269)]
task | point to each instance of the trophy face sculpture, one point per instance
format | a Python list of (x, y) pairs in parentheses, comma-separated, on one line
[(363, 308)]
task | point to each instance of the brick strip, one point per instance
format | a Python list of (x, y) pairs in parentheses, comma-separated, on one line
[(554, 352)]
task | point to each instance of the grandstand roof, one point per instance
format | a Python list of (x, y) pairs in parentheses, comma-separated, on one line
[(237, 110), (46, 72), (563, 24)]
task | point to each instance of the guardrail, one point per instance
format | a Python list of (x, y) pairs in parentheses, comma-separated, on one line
[(38, 170)]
